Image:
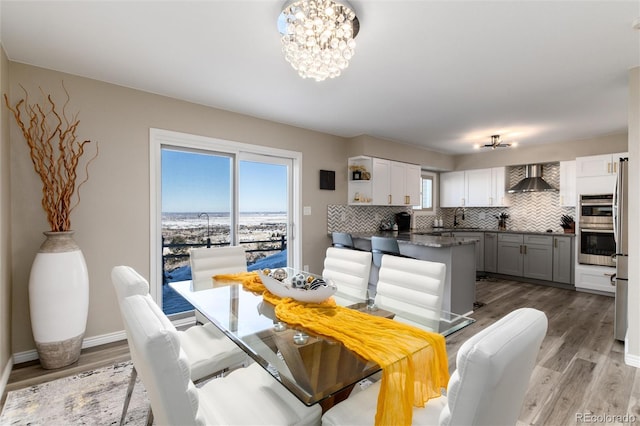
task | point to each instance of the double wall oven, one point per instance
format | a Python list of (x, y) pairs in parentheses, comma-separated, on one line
[(596, 240)]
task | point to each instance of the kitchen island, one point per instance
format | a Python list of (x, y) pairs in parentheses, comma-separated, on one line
[(457, 253)]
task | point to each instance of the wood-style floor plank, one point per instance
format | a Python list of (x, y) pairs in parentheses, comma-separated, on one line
[(580, 367)]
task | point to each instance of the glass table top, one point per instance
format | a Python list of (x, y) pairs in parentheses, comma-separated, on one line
[(312, 367)]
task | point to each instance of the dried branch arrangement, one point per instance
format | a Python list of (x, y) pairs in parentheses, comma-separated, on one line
[(55, 152)]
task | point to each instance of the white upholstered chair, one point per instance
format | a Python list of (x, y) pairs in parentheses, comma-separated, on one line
[(247, 396), (207, 262), (349, 270), (412, 289), (488, 387), (207, 349)]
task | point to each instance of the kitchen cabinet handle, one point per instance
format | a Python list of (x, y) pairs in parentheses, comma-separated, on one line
[(555, 242), (615, 167), (525, 249), (389, 202)]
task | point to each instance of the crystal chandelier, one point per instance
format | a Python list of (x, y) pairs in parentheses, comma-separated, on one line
[(318, 36)]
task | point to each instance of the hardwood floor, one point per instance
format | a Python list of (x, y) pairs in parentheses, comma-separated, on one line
[(580, 369)]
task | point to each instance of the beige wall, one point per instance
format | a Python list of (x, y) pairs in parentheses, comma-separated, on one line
[(112, 220), (633, 346), (5, 224), (380, 148), (542, 153)]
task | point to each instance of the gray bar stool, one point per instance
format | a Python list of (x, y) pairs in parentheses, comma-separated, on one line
[(384, 245), (342, 240)]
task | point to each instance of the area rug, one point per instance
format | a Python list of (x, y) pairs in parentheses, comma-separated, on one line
[(91, 398)]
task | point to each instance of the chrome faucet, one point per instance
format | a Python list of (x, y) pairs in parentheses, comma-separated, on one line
[(455, 216)]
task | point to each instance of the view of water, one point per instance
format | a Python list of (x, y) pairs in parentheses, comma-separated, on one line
[(190, 220)]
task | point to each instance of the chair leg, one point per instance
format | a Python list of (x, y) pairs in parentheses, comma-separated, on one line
[(127, 398)]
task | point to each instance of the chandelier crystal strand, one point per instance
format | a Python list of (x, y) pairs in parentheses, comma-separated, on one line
[(318, 37)]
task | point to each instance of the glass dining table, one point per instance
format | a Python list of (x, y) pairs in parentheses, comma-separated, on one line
[(314, 368)]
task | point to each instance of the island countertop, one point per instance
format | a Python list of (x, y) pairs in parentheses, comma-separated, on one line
[(417, 239)]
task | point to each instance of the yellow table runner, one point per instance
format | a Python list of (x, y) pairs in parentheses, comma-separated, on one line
[(414, 362)]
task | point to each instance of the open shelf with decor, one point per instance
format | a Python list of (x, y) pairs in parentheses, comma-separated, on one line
[(360, 180)]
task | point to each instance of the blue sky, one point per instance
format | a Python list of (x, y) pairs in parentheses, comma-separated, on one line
[(196, 182)]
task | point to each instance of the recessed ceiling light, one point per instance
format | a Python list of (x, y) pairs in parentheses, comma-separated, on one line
[(636, 24)]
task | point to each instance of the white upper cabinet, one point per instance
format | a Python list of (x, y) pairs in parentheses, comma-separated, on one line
[(391, 183), (381, 182), (452, 189), (478, 187), (568, 183), (473, 188), (498, 187), (598, 165), (597, 174), (413, 177)]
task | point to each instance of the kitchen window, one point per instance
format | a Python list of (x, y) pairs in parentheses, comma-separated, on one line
[(427, 193)]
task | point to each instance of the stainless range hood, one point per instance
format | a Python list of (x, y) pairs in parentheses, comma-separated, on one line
[(533, 181)]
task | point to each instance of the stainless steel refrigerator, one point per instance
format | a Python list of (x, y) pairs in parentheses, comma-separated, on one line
[(621, 229)]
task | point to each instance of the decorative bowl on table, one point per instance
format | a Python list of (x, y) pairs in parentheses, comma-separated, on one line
[(298, 285)]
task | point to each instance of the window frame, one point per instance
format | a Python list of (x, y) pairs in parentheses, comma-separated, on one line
[(159, 138), (420, 211)]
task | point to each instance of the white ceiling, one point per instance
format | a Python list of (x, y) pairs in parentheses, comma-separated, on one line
[(441, 74)]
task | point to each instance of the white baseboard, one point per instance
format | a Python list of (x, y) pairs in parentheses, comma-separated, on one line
[(6, 371), (630, 359), (90, 342)]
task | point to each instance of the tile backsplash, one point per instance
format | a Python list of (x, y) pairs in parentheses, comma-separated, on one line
[(532, 211), (345, 218)]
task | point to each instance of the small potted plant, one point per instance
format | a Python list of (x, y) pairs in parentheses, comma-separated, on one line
[(502, 221), (568, 224)]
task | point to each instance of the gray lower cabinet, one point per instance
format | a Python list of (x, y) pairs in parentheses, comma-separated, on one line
[(510, 254), (538, 257), (491, 252), (563, 260), (528, 256)]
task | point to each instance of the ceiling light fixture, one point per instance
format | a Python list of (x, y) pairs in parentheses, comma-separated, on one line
[(318, 36), (495, 143)]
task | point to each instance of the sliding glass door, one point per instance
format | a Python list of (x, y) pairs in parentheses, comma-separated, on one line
[(212, 195), (264, 195)]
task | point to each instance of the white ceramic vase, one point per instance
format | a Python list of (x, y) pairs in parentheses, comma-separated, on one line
[(59, 300)]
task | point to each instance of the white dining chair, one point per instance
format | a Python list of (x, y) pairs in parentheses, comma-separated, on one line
[(208, 350), (412, 289), (247, 396), (488, 387), (209, 261), (349, 271)]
